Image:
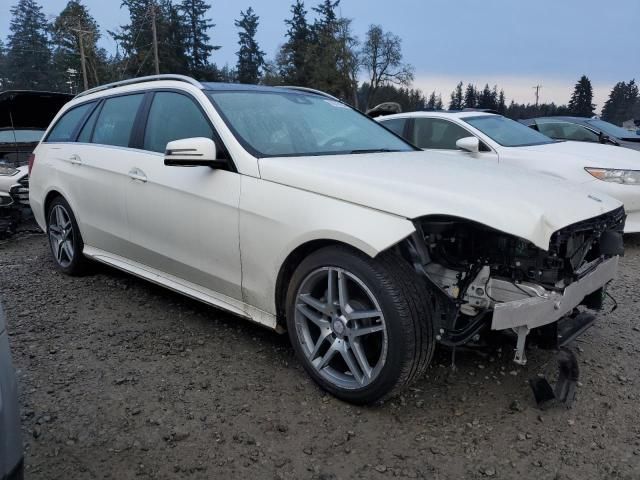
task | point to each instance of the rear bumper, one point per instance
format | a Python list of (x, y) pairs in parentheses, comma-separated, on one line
[(538, 311)]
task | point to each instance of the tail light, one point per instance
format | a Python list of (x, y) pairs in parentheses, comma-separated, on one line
[(32, 160)]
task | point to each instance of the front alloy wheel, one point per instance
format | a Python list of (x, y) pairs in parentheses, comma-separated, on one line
[(341, 328), (362, 327)]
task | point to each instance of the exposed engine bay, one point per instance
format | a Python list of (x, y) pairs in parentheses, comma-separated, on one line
[(487, 278)]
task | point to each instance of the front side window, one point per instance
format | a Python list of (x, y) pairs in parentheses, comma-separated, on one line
[(506, 132), (436, 133), (274, 124), (396, 125), (567, 131), (173, 117), (115, 123), (65, 128)]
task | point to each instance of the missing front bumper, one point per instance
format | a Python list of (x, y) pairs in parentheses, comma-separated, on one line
[(526, 314), (538, 311)]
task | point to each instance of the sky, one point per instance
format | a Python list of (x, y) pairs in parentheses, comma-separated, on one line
[(515, 44)]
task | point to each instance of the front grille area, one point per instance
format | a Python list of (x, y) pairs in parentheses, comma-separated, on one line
[(20, 191), (580, 243)]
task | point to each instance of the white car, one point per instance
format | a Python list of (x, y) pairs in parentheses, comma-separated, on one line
[(291, 209), (499, 140)]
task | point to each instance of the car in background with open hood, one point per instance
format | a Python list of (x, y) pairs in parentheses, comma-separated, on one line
[(24, 117)]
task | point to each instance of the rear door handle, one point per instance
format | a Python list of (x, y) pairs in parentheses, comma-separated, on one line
[(75, 160), (137, 174)]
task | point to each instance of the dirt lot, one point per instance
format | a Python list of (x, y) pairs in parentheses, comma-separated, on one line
[(122, 379)]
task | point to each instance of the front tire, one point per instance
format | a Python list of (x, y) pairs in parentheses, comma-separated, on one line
[(362, 327), (64, 237)]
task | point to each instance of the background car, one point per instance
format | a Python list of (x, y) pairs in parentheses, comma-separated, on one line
[(501, 141), (584, 129), (11, 463)]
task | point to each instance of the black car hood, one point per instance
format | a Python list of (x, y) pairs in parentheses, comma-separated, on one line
[(28, 109)]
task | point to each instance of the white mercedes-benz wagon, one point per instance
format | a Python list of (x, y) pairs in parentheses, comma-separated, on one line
[(289, 208)]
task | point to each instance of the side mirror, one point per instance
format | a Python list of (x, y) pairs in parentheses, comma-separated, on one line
[(604, 138), (469, 144), (193, 152)]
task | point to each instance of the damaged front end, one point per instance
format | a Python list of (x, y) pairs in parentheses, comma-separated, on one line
[(490, 280)]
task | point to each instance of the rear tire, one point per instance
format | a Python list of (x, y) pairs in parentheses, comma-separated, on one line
[(64, 237), (363, 328)]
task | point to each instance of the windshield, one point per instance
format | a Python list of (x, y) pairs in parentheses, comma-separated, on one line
[(506, 132), (276, 124), (20, 136), (611, 129)]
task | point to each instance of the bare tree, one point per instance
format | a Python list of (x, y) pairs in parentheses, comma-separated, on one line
[(381, 56)]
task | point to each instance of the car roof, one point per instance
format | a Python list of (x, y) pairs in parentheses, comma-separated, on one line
[(438, 114)]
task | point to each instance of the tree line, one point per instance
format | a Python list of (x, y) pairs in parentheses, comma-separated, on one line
[(319, 51)]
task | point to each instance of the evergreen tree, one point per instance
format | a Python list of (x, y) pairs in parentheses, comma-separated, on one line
[(293, 60), (28, 55), (502, 103), (250, 57), (347, 62), (456, 98), (470, 97), (324, 50), (197, 39), (136, 40), (409, 99), (581, 100), (75, 21), (622, 103), (3, 66)]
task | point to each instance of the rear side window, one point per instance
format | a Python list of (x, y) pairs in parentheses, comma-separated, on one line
[(173, 117), (65, 128), (396, 125), (116, 119), (567, 131)]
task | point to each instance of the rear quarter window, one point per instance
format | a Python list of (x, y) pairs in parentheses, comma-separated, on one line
[(66, 127)]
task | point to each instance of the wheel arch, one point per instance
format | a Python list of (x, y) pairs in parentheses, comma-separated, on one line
[(302, 251)]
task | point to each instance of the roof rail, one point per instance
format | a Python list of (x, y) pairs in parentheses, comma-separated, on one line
[(310, 90), (150, 78)]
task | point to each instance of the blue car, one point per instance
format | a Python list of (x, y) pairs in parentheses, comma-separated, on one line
[(11, 460)]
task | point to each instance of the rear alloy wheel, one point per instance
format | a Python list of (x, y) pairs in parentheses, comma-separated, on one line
[(64, 237), (361, 326)]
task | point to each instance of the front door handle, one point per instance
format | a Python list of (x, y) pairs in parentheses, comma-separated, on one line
[(137, 174), (75, 160)]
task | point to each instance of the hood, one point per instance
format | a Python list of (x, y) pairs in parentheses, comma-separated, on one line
[(414, 184), (630, 143), (25, 109), (591, 154)]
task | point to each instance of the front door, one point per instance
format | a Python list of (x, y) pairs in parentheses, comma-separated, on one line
[(183, 220)]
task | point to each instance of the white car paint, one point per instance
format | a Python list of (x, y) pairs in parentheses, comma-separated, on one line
[(222, 237), (565, 159)]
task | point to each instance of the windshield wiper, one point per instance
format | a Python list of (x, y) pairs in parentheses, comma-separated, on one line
[(373, 150)]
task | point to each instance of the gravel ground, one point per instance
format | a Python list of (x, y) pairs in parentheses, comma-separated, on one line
[(122, 379)]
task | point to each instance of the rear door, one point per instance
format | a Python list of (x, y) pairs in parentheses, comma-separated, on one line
[(183, 220), (98, 163)]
